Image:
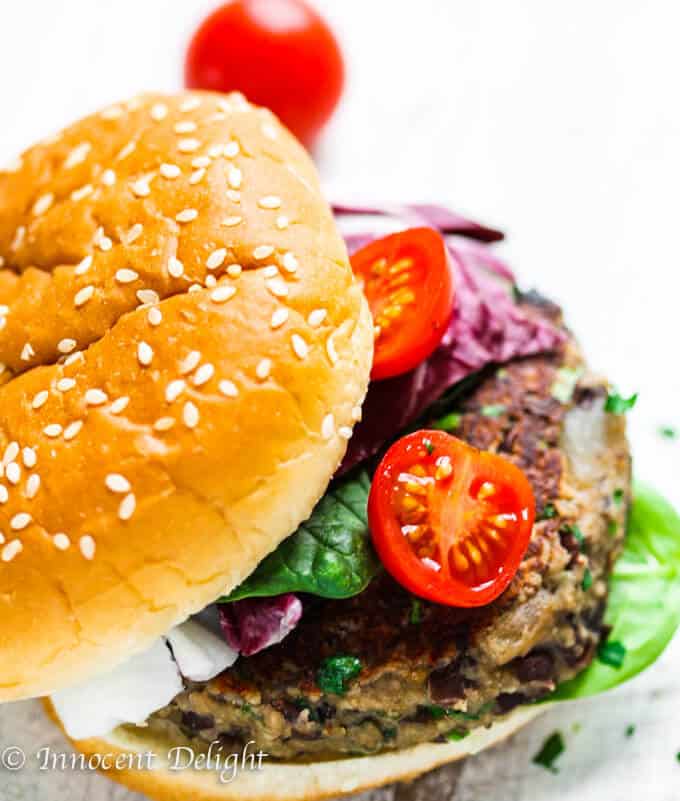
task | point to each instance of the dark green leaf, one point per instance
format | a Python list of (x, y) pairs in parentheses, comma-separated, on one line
[(552, 748), (643, 609), (493, 410), (449, 422), (330, 555), (587, 582), (617, 404), (612, 653), (335, 673)]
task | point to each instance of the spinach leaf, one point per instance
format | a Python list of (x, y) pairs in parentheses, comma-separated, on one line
[(617, 404), (644, 599), (329, 555), (552, 748), (335, 673)]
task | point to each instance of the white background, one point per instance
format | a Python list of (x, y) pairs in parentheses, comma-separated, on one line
[(560, 122)]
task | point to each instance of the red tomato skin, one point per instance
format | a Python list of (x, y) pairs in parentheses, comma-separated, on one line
[(279, 53), (393, 549)]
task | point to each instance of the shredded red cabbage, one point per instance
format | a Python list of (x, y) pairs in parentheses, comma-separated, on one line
[(487, 327), (253, 624)]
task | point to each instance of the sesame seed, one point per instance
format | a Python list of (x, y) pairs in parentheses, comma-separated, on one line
[(331, 351), (83, 192), (328, 426), (117, 483), (87, 547), (175, 267), (119, 404), (201, 161), (269, 202), (187, 215), (102, 241), (197, 176), (83, 295), (61, 541), (2, 261), (18, 239), (190, 363), (83, 266), (316, 317), (174, 389), (215, 151), (127, 507), (231, 149), (300, 347), (263, 369), (66, 345), (144, 354), (29, 457), (111, 113), (170, 171), (279, 317), (222, 294), (147, 297), (40, 398), (270, 271), (290, 263), (277, 287), (42, 204), (159, 111), (345, 432), (230, 222), (32, 485), (282, 222), (210, 281), (20, 521), (154, 316), (262, 252), (134, 233), (64, 384), (127, 150), (228, 388), (108, 177), (95, 397), (13, 473), (72, 429), (12, 549), (204, 373), (141, 187), (77, 155), (11, 452), (216, 259), (190, 415), (234, 196), (164, 423), (27, 352), (234, 270), (185, 127), (234, 177), (356, 413), (4, 495), (269, 130), (126, 276), (188, 145), (190, 104)]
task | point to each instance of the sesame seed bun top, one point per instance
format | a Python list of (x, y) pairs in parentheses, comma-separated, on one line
[(183, 352)]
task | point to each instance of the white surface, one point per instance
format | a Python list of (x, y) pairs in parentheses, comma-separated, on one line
[(559, 122)]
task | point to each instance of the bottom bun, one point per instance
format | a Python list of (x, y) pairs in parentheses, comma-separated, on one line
[(280, 781)]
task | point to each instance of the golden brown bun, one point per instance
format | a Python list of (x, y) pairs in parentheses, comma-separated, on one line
[(291, 781), (216, 481)]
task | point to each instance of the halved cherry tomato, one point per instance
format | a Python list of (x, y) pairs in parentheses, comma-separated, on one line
[(409, 286), (449, 522), (279, 53)]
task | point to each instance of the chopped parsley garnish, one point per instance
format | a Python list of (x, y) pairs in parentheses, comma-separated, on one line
[(548, 512), (618, 496), (617, 404), (493, 410), (578, 535), (552, 748), (455, 735), (335, 673), (630, 730), (416, 614), (668, 432), (449, 422), (612, 653), (439, 712), (429, 447), (587, 582)]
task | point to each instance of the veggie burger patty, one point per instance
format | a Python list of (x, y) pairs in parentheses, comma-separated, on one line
[(385, 670)]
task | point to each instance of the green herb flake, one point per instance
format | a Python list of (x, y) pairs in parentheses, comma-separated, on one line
[(612, 528), (612, 653), (578, 535), (587, 582), (552, 748), (449, 422), (630, 730), (617, 404), (677, 756), (618, 496), (565, 382), (668, 432), (429, 447), (493, 410), (336, 672), (416, 614), (548, 512), (455, 735), (437, 712)]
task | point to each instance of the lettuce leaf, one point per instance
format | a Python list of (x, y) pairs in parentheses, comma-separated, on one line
[(643, 609)]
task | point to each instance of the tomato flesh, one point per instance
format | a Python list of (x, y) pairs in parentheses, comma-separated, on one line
[(450, 523), (407, 280), (279, 53)]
